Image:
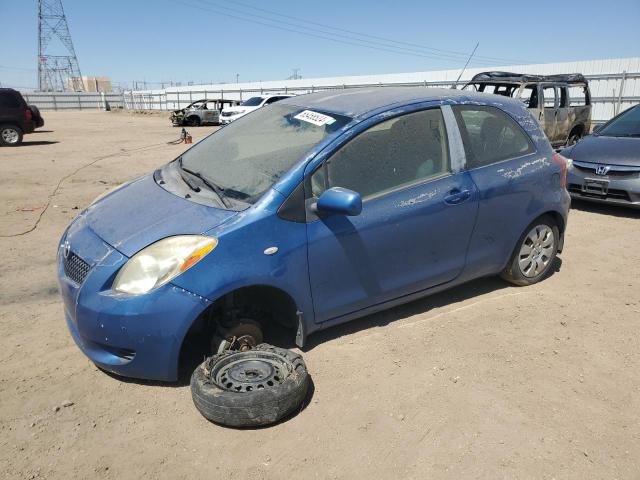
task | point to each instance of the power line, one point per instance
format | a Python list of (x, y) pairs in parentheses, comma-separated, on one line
[(461, 56), (356, 42)]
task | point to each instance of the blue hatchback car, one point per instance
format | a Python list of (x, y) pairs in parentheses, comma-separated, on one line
[(308, 213)]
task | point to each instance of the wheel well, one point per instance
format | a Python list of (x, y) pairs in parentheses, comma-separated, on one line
[(272, 307), (577, 129), (557, 218)]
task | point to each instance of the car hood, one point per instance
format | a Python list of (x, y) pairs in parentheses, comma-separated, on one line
[(240, 108), (142, 212), (607, 150)]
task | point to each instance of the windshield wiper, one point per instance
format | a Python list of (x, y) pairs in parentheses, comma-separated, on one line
[(217, 189)]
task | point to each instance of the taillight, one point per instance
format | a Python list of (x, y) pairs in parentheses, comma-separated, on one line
[(28, 114), (562, 163)]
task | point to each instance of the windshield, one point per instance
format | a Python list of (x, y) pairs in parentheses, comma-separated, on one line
[(252, 102), (626, 125), (245, 158)]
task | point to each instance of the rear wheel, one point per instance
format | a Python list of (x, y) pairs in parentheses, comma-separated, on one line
[(10, 135), (534, 254)]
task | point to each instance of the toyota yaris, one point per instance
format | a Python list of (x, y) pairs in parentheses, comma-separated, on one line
[(308, 213)]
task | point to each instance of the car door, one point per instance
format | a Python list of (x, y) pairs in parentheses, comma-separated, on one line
[(510, 176), (418, 213), (209, 113), (550, 112)]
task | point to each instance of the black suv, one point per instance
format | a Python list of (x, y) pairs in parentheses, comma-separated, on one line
[(16, 117)]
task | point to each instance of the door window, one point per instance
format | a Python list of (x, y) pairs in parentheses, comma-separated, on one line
[(549, 95), (529, 96), (490, 135), (392, 154)]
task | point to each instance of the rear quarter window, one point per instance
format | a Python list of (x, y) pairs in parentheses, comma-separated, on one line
[(9, 100), (578, 96), (490, 135)]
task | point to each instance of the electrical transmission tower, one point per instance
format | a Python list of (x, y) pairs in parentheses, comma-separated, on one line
[(58, 67)]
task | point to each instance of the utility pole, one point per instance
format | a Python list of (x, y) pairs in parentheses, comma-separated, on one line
[(237, 77), (56, 72)]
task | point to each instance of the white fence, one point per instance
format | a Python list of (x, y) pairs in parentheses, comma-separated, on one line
[(73, 101), (606, 103), (614, 84)]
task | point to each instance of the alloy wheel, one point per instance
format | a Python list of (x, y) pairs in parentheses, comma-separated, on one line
[(10, 135), (536, 251)]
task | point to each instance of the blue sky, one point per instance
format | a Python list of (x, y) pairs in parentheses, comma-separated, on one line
[(200, 40)]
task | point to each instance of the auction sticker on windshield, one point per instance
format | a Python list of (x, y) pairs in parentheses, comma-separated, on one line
[(315, 118)]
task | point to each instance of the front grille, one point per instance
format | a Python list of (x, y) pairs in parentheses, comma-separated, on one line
[(614, 171), (75, 268), (227, 114)]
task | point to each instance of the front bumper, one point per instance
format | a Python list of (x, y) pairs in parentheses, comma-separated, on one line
[(615, 188), (131, 335)]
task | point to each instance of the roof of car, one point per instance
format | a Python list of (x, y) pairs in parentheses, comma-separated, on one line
[(523, 77), (354, 102)]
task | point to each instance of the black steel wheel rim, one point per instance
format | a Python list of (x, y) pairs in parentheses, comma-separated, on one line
[(250, 371)]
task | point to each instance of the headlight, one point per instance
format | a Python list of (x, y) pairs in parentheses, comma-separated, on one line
[(161, 262)]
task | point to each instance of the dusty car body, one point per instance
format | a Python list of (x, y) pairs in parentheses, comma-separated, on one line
[(314, 211), (605, 166), (201, 112), (560, 103)]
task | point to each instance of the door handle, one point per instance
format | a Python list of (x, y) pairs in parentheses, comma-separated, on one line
[(456, 197)]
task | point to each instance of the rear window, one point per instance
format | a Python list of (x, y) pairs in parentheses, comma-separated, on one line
[(9, 100), (490, 135)]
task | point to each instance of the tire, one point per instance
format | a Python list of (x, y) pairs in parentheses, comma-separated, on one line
[(534, 254), (193, 121), (10, 135), (245, 401)]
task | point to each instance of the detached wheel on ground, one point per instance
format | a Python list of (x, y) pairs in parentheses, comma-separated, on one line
[(10, 135), (534, 254), (249, 389)]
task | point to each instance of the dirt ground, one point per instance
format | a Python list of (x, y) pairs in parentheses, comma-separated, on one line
[(483, 381)]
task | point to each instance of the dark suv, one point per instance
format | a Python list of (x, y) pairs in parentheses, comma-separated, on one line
[(16, 117)]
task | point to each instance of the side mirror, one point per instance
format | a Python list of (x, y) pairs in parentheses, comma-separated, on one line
[(340, 200), (597, 128)]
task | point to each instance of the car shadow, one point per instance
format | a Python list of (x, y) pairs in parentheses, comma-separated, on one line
[(26, 143), (466, 291), (42, 131), (603, 209)]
